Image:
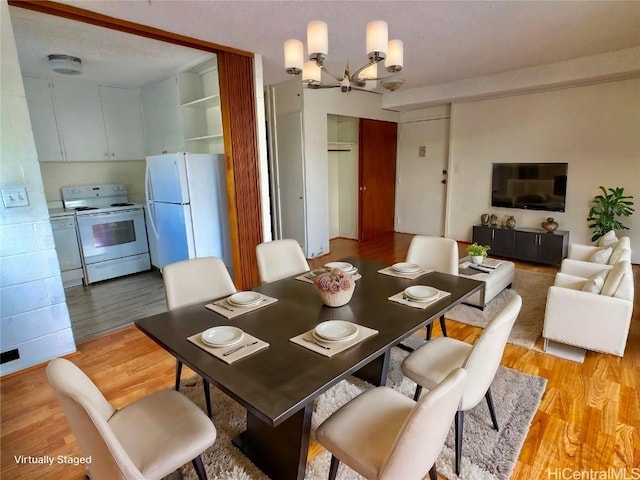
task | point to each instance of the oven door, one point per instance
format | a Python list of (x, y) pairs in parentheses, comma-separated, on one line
[(110, 235)]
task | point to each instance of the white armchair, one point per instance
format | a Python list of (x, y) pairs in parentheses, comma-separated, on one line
[(594, 321), (620, 252)]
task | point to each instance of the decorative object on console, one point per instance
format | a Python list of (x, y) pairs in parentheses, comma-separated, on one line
[(364, 78), (510, 221), (493, 219), (478, 252), (484, 219), (606, 207), (550, 225), (335, 287)]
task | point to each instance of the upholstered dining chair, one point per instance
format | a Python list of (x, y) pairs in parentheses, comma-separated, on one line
[(429, 364), (192, 281), (147, 439), (434, 253), (382, 434), (280, 259)]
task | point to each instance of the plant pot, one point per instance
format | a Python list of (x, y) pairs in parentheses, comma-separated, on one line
[(477, 259), (337, 299)]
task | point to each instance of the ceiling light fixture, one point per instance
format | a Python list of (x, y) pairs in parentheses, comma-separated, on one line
[(364, 78), (65, 64)]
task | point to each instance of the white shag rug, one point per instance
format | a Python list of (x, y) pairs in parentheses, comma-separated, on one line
[(487, 454), (532, 287)]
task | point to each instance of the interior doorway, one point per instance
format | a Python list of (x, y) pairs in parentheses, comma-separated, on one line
[(343, 154)]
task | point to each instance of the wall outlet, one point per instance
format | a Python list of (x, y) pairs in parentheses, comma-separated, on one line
[(15, 197), (422, 151)]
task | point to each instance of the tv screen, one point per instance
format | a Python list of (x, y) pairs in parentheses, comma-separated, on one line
[(531, 186)]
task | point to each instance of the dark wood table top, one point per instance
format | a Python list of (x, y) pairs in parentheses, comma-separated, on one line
[(277, 382)]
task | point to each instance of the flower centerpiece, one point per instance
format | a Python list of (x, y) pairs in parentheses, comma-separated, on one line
[(478, 252), (335, 287)]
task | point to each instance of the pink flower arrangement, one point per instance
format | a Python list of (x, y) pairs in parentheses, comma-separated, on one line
[(333, 281)]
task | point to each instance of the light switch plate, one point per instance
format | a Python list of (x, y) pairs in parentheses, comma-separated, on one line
[(15, 197)]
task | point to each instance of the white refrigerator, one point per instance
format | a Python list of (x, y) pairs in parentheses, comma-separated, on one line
[(187, 208)]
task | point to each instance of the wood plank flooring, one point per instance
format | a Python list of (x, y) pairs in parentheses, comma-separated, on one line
[(588, 421)]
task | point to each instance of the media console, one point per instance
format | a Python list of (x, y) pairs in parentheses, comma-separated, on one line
[(527, 244)]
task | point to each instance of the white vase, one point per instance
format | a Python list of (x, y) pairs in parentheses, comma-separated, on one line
[(477, 259), (337, 299)]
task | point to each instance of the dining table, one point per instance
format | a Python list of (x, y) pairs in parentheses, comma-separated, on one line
[(277, 385)]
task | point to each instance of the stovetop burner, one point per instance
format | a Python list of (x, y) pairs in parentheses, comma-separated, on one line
[(121, 204), (80, 209)]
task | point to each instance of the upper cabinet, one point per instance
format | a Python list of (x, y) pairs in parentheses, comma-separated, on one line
[(43, 118), (160, 108), (182, 113), (93, 122)]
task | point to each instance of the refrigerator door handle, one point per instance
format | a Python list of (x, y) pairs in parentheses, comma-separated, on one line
[(149, 197)]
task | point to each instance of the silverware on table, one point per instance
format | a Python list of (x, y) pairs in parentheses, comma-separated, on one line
[(316, 342), (234, 350), (222, 305)]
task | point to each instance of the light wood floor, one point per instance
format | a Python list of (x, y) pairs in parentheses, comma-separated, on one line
[(589, 418)]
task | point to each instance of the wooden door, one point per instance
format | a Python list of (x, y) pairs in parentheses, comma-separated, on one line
[(377, 147)]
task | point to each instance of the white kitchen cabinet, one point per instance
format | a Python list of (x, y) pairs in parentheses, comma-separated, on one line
[(90, 122), (123, 122), (160, 108), (80, 121), (43, 119)]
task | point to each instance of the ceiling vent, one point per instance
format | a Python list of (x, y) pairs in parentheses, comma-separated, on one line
[(65, 64)]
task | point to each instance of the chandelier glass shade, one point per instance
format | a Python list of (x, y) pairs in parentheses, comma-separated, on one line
[(378, 48)]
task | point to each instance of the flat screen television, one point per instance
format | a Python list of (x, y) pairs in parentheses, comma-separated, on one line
[(531, 186)]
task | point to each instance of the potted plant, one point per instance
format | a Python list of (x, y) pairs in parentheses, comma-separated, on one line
[(606, 207), (478, 252), (335, 287)]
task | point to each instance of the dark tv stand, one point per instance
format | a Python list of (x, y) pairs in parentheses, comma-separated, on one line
[(527, 244)]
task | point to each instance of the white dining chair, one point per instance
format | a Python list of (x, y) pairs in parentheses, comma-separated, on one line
[(434, 253), (147, 439), (432, 362), (279, 259), (384, 435), (193, 281)]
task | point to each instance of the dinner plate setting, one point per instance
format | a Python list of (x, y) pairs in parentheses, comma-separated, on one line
[(222, 336), (245, 299), (346, 267), (421, 293), (335, 331), (405, 267)]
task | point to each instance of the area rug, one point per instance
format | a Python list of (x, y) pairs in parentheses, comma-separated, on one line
[(487, 454), (532, 287)]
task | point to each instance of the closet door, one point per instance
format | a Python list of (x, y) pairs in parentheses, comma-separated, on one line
[(377, 165)]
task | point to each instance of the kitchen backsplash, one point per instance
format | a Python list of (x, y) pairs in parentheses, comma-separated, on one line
[(60, 174)]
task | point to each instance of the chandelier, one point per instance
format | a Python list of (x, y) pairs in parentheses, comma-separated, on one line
[(364, 78)]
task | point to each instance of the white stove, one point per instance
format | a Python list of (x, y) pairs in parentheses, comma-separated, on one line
[(112, 231)]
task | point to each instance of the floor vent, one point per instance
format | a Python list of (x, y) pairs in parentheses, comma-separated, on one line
[(9, 355)]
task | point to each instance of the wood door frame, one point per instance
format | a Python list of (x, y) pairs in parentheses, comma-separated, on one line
[(238, 117)]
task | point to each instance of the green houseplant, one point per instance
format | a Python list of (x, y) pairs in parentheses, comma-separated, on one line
[(477, 252), (605, 210)]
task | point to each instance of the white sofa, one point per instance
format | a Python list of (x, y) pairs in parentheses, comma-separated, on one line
[(593, 321)]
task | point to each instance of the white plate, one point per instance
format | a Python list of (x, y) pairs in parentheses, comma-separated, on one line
[(336, 330), (222, 336), (421, 293), (245, 299), (344, 266), (405, 267)]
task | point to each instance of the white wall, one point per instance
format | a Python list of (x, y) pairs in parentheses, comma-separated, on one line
[(33, 313), (595, 128), (420, 194)]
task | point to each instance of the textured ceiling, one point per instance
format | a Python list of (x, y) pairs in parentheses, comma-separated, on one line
[(444, 40)]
